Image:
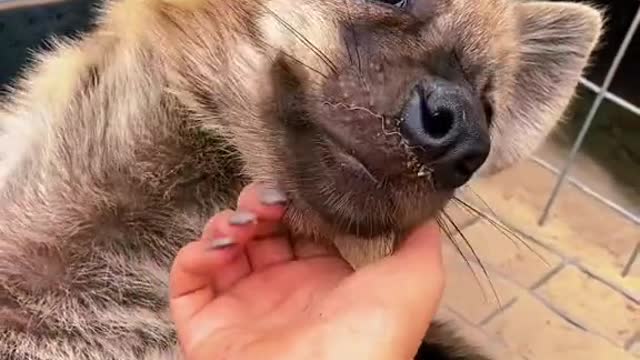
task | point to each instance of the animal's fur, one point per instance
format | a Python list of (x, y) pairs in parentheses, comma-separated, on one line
[(117, 147)]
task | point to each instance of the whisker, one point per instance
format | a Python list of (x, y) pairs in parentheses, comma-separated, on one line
[(356, 45), (484, 203), (305, 65), (346, 43), (292, 58), (354, 38), (357, 48), (504, 229), (302, 38), (475, 255), (448, 234)]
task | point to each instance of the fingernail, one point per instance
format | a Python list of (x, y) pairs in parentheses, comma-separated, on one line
[(240, 218), (222, 243), (273, 197)]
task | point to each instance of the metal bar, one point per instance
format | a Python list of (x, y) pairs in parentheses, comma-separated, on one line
[(611, 97), (632, 259), (15, 4), (592, 113), (635, 218)]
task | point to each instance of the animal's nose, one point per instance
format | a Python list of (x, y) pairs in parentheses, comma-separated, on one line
[(447, 129)]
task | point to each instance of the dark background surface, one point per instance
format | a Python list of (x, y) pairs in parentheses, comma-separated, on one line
[(24, 28)]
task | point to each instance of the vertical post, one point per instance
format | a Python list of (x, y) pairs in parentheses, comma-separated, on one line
[(592, 113)]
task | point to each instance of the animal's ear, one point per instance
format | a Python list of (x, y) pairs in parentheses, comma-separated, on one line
[(555, 42)]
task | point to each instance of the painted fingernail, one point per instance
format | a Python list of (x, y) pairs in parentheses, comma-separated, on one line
[(222, 243), (240, 218), (273, 197)]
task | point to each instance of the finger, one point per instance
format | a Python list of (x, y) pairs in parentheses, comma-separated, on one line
[(223, 234), (269, 206), (267, 203), (235, 271), (240, 227), (192, 273), (266, 228), (269, 251), (305, 249), (406, 287)]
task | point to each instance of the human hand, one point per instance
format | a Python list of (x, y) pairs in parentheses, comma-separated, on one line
[(243, 292)]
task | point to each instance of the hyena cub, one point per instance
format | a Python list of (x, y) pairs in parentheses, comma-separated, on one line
[(116, 147)]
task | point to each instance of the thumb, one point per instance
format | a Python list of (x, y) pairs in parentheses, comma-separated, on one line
[(405, 287)]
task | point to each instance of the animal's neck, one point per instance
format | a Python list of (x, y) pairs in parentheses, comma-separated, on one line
[(100, 140)]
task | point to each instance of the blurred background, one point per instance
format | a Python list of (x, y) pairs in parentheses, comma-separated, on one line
[(560, 233)]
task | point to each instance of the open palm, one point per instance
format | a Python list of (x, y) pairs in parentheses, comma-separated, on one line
[(243, 292)]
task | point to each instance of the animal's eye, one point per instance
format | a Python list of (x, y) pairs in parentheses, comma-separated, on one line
[(397, 3), (486, 103), (488, 111)]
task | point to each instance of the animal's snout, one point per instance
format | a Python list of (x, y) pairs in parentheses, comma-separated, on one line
[(447, 129)]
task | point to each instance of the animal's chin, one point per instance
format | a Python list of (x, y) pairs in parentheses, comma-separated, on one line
[(345, 163), (349, 199), (340, 185)]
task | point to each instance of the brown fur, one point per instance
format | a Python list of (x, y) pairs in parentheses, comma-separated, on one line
[(117, 147)]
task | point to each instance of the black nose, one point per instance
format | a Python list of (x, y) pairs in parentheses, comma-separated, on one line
[(447, 129)]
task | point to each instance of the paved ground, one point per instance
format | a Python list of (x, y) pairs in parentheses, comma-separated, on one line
[(555, 292)]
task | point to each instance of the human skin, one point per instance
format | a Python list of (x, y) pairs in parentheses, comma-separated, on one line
[(242, 291)]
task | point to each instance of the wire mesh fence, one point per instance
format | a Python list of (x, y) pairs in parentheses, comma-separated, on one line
[(602, 92), (563, 172)]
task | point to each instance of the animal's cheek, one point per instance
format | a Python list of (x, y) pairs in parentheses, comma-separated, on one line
[(367, 136)]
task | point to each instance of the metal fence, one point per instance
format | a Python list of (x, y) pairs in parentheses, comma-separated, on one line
[(563, 172)]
